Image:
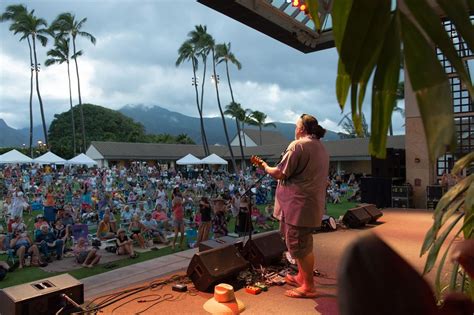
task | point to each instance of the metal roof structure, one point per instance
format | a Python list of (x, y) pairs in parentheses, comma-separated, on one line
[(281, 21)]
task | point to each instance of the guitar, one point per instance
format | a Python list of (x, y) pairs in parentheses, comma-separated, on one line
[(256, 161)]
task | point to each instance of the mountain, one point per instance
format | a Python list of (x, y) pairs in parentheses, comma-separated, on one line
[(11, 137), (157, 119)]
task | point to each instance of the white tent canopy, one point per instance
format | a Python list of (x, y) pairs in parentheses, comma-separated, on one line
[(82, 159), (49, 158), (214, 159), (188, 160), (14, 157)]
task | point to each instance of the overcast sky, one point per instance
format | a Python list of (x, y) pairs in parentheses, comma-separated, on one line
[(133, 62)]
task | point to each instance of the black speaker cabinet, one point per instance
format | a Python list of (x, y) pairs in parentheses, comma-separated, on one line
[(214, 266), (265, 249), (221, 242), (392, 166), (376, 190), (356, 217), (372, 210), (40, 297)]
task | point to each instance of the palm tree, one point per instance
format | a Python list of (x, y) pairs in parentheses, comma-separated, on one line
[(224, 54), (60, 54), (12, 13), (236, 111), (400, 95), (215, 80), (189, 51), (30, 26), (258, 119), (203, 41), (349, 127), (67, 23)]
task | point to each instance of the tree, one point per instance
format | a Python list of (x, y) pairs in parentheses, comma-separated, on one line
[(29, 25), (215, 80), (257, 118), (60, 54), (12, 13), (104, 125), (236, 111), (350, 129), (203, 41), (67, 23), (224, 54), (189, 50)]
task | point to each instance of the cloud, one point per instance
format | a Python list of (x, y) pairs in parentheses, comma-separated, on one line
[(133, 63)]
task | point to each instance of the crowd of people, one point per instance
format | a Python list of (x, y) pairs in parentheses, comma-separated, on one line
[(126, 207), (137, 206)]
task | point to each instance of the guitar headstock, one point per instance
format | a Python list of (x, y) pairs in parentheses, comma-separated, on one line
[(255, 160)]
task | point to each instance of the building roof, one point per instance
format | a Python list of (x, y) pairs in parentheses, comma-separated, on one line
[(358, 148), (268, 137), (339, 150)]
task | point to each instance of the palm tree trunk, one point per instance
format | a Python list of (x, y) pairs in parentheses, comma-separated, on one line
[(72, 111), (260, 131), (243, 134), (222, 113), (390, 130), (204, 60), (199, 110), (45, 131), (83, 129), (31, 98), (242, 163)]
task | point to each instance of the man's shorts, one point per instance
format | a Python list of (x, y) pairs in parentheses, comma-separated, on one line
[(299, 240)]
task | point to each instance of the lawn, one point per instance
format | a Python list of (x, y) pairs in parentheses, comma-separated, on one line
[(34, 273)]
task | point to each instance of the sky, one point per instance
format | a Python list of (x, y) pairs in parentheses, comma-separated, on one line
[(133, 62)]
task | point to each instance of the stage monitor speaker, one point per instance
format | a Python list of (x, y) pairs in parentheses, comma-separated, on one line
[(41, 296), (221, 242), (214, 266), (265, 249), (356, 217), (372, 210)]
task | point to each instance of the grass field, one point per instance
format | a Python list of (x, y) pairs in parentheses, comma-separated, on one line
[(28, 274)]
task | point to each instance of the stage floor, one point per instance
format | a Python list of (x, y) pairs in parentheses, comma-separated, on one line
[(402, 229)]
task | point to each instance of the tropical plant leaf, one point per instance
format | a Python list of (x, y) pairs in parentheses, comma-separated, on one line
[(462, 163), (340, 14), (430, 22), (454, 277), (452, 194), (431, 87), (384, 89), (453, 207), (343, 82), (458, 12), (365, 30), (433, 254), (313, 8), (356, 113), (469, 201), (441, 265)]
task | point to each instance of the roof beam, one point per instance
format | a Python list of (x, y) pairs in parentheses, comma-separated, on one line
[(272, 21)]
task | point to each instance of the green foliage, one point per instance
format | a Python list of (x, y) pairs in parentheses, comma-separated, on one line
[(456, 204), (103, 124), (369, 36)]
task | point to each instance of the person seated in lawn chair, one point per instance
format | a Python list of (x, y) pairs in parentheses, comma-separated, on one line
[(136, 229), (152, 228), (85, 255), (21, 244), (63, 232), (48, 242), (161, 217), (104, 229)]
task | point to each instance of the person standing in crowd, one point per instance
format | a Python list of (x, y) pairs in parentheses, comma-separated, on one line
[(219, 221), (178, 220), (300, 199), (205, 224)]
